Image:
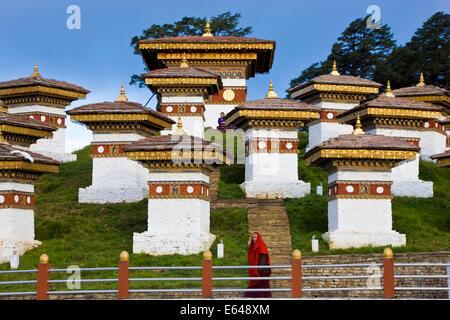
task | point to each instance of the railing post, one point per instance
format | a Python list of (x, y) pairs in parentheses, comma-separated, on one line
[(42, 278), (296, 274), (207, 272), (124, 275), (388, 273)]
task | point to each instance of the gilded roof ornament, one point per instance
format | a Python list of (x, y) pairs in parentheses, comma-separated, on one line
[(271, 93), (334, 71), (122, 97), (207, 30), (35, 74), (421, 81), (184, 63), (358, 127), (389, 91), (180, 131)]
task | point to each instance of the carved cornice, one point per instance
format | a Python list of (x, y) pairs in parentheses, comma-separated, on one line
[(207, 46), (207, 56), (28, 166), (26, 90), (124, 118)]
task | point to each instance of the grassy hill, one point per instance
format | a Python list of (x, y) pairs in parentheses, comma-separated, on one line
[(91, 235)]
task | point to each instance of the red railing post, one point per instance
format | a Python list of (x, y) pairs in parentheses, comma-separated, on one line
[(207, 273), (296, 274), (42, 278), (124, 275), (388, 273)]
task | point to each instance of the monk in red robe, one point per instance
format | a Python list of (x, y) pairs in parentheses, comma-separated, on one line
[(258, 255)]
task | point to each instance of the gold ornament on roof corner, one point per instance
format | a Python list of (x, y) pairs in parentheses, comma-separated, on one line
[(122, 96), (334, 71), (180, 131), (184, 63), (271, 94), (358, 127), (35, 74), (421, 81), (207, 30), (389, 91)]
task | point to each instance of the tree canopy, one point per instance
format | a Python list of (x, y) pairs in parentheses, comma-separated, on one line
[(224, 24)]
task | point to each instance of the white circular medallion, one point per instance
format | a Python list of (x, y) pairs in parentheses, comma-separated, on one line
[(228, 95), (28, 199), (261, 145), (426, 124), (169, 109), (193, 109), (43, 118), (207, 192), (16, 198), (330, 115), (329, 192), (2, 199), (349, 189), (190, 189), (100, 149), (380, 190), (289, 145), (32, 117), (159, 189), (59, 121)]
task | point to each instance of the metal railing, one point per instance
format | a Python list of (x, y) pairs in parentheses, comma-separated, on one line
[(295, 278)]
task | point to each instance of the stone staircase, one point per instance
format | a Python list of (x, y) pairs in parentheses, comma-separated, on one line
[(214, 179)]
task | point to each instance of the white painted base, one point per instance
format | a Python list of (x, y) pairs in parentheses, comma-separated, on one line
[(54, 147), (7, 248), (406, 182), (194, 126), (261, 189), (175, 226), (349, 239), (322, 131), (92, 194)]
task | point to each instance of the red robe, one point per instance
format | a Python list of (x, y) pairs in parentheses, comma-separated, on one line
[(257, 248)]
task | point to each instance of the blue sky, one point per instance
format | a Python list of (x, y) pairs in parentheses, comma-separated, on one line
[(99, 57)]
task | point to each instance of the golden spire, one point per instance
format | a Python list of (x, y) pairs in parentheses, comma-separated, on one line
[(358, 128), (271, 93), (179, 130), (122, 96), (207, 30), (421, 81), (389, 91), (184, 63), (35, 73), (334, 71)]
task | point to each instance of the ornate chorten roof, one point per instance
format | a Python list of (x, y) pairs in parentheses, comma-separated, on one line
[(425, 92), (22, 130), (271, 110), (362, 147), (334, 85), (120, 114), (183, 79), (442, 159), (36, 89), (29, 163)]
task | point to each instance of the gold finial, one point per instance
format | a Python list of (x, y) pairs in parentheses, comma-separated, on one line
[(184, 63), (124, 256), (296, 254), (207, 30), (389, 91), (421, 81), (35, 73), (358, 128), (207, 255), (43, 258), (334, 71), (271, 93), (122, 96), (387, 253), (179, 130)]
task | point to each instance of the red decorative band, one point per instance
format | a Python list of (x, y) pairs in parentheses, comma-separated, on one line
[(230, 95), (433, 125), (183, 109), (103, 150), (414, 141), (271, 145), (16, 199), (58, 121), (178, 189), (360, 190)]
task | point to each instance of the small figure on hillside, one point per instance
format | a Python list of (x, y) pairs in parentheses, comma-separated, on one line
[(221, 122), (258, 255)]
